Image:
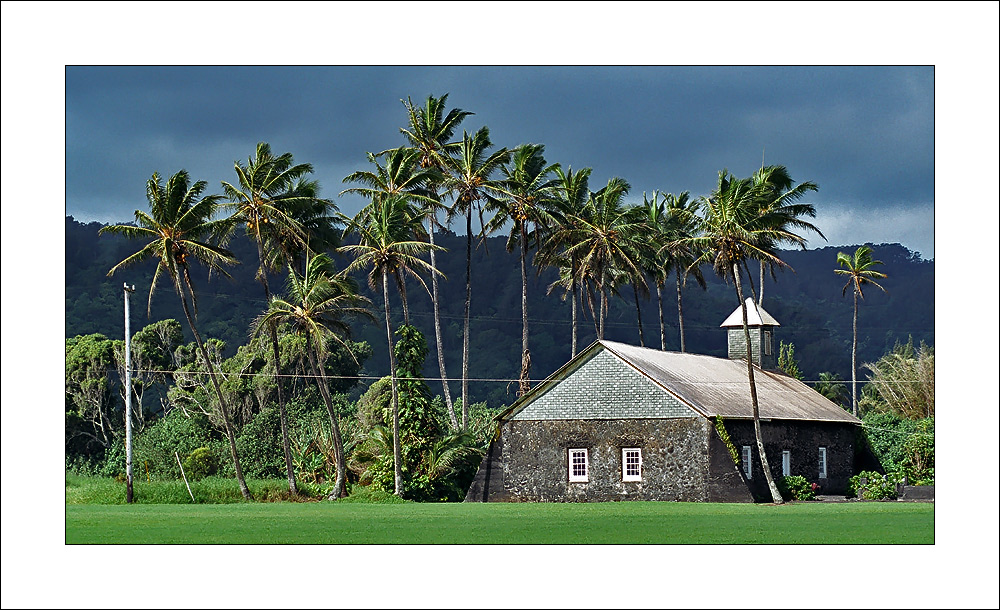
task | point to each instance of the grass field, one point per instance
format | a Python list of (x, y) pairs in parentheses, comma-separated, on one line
[(542, 523)]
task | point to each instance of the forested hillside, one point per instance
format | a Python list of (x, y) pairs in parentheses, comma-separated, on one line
[(808, 303)]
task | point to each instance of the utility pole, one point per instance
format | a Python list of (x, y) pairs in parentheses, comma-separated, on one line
[(128, 398)]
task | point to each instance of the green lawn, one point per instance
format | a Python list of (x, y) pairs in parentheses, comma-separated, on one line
[(542, 523)]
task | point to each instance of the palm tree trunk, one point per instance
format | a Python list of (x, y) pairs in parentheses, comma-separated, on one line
[(604, 310), (663, 327), (760, 295), (638, 314), (431, 222), (854, 360), (573, 348), (397, 453), (680, 310), (523, 384), (775, 494), (465, 331), (279, 381), (340, 483), (218, 392)]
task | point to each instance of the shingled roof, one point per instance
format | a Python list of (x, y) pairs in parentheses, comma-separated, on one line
[(711, 386)]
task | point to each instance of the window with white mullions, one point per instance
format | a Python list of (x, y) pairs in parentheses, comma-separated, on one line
[(578, 465), (631, 464), (822, 462), (745, 458)]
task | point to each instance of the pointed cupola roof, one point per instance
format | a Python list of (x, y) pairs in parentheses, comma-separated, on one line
[(756, 316)]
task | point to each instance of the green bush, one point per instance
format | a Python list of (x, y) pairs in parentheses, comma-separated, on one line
[(200, 464), (154, 448), (876, 487), (259, 446), (796, 487)]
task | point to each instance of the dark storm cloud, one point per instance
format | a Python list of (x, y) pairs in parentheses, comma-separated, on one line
[(864, 134)]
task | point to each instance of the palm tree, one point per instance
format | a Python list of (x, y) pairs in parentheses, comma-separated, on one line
[(607, 242), (401, 175), (830, 386), (682, 223), (737, 227), (175, 228), (316, 306), (388, 248), (429, 133), (528, 195), (859, 271), (778, 199), (267, 193), (571, 198), (468, 180)]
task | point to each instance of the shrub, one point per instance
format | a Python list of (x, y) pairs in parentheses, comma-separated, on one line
[(200, 464), (176, 432), (797, 488), (259, 446), (875, 487)]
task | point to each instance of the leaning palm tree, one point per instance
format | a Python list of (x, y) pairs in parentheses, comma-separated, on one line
[(388, 248), (737, 227), (175, 229), (859, 271), (778, 198), (528, 195), (265, 199), (430, 132), (468, 180), (315, 308)]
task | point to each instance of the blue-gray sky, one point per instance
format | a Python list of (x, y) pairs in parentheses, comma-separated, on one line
[(865, 135)]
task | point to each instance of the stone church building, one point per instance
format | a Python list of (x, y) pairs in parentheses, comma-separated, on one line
[(620, 422)]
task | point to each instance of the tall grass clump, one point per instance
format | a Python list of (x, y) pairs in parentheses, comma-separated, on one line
[(210, 490)]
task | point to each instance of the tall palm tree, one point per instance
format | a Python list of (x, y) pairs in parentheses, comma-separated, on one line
[(430, 132), (316, 307), (264, 199), (469, 182), (175, 231), (682, 223), (388, 248), (400, 176), (778, 198), (528, 195), (737, 227), (859, 270), (572, 192), (607, 242)]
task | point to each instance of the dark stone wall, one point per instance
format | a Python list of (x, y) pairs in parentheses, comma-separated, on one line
[(675, 459), (488, 484), (803, 439), (726, 481)]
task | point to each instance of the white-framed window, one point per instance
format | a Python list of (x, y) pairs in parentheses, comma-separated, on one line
[(822, 462), (786, 463), (767, 343), (631, 464), (578, 465), (745, 458)]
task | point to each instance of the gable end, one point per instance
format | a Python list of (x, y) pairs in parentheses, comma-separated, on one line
[(603, 387)]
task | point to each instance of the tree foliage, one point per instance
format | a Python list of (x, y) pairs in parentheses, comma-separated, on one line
[(902, 382)]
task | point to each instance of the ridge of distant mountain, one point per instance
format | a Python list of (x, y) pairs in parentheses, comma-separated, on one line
[(807, 302)]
